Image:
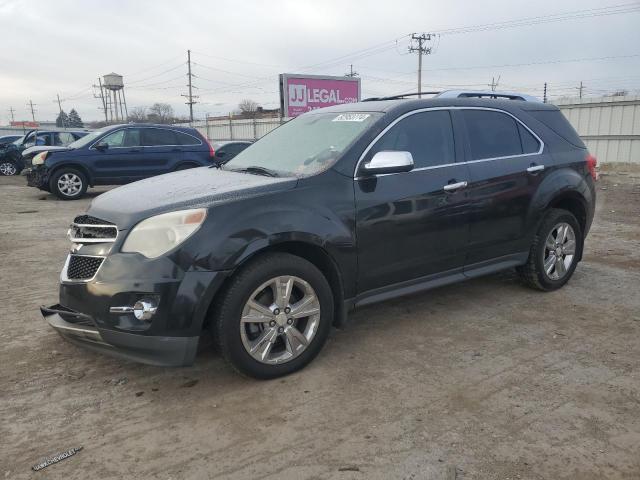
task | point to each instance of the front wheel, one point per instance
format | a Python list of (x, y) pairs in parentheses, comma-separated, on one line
[(8, 168), (68, 184), (275, 316), (555, 251)]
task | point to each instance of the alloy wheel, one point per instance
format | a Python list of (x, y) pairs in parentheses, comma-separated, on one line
[(559, 251), (8, 169), (69, 184), (280, 320)]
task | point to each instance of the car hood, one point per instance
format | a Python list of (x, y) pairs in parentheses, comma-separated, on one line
[(42, 148), (197, 187)]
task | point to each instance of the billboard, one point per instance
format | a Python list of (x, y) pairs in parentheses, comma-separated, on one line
[(302, 93)]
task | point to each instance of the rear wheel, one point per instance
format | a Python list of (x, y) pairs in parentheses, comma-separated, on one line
[(68, 184), (275, 316), (8, 168), (555, 251)]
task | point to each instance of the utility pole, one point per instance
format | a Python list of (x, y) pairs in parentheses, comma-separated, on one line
[(12, 113), (102, 99), (494, 83), (190, 96), (351, 72), (422, 50), (544, 94), (60, 107), (33, 113), (580, 88)]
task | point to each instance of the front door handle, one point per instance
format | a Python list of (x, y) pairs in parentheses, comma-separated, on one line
[(452, 187), (535, 168)]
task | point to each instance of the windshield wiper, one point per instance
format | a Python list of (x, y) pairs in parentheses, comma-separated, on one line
[(257, 171)]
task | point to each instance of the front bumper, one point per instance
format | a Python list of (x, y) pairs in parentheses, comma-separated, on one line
[(86, 314), (38, 177), (153, 350)]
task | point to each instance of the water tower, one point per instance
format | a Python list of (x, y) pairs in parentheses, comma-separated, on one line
[(113, 99)]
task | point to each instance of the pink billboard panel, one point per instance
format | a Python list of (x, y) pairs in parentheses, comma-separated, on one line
[(302, 93)]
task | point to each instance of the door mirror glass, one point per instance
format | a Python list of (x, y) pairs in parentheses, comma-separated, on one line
[(389, 162), (102, 146)]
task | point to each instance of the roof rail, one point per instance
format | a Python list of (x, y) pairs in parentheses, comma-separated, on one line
[(461, 94), (487, 94)]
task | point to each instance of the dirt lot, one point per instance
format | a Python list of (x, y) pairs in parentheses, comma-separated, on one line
[(480, 380)]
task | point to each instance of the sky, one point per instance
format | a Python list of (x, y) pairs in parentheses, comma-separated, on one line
[(238, 49)]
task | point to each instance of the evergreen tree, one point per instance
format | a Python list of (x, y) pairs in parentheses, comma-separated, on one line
[(75, 120), (63, 120)]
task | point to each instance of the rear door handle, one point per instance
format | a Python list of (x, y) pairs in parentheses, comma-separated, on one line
[(451, 187), (535, 168)]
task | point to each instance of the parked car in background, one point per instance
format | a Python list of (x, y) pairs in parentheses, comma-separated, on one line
[(5, 139), (225, 151), (338, 208), (12, 161), (117, 155)]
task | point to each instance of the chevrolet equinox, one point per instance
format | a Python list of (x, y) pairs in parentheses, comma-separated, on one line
[(336, 209)]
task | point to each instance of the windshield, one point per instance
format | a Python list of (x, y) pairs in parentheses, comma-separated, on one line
[(87, 139), (306, 145)]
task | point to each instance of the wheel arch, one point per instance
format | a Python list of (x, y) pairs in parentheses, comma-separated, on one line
[(82, 168), (311, 251)]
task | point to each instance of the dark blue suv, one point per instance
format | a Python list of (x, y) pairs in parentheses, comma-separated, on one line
[(117, 155)]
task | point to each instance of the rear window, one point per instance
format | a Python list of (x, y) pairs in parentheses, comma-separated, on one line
[(186, 139), (157, 137), (559, 124)]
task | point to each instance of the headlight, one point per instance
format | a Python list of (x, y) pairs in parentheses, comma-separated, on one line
[(157, 235), (39, 158)]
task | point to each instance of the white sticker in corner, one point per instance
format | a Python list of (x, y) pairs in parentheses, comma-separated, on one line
[(351, 117)]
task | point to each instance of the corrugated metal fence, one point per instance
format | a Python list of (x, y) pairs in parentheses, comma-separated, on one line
[(243, 129), (610, 126)]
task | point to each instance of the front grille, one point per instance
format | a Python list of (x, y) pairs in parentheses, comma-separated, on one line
[(81, 267), (89, 220), (88, 229)]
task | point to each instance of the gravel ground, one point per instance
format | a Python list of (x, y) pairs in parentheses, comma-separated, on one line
[(481, 380)]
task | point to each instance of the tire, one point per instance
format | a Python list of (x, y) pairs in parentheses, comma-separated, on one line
[(543, 270), (8, 168), (239, 327), (76, 184)]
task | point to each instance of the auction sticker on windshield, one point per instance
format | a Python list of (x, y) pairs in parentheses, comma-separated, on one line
[(351, 117)]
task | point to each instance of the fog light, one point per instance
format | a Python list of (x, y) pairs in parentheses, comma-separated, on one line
[(145, 309)]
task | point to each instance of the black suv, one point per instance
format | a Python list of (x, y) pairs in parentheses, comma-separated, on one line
[(338, 208)]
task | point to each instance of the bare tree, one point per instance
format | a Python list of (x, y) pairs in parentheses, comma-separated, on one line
[(248, 107), (138, 115), (161, 113)]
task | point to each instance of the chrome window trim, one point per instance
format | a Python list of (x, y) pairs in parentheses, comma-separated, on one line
[(63, 274), (150, 146), (421, 110)]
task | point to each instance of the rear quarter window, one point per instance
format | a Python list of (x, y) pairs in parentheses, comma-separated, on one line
[(555, 120), (186, 139)]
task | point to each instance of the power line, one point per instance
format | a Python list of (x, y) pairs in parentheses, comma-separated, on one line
[(351, 72), (33, 112), (422, 50), (190, 95)]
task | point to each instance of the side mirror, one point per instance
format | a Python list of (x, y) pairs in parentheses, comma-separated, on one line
[(389, 162), (102, 146)]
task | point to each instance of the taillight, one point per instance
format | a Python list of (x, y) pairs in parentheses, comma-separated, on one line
[(212, 153), (592, 163)]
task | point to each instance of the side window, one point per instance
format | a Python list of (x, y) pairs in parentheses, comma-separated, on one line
[(156, 137), (427, 135), (44, 139), (131, 137), (491, 134), (184, 139), (529, 143), (63, 138), (115, 139)]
